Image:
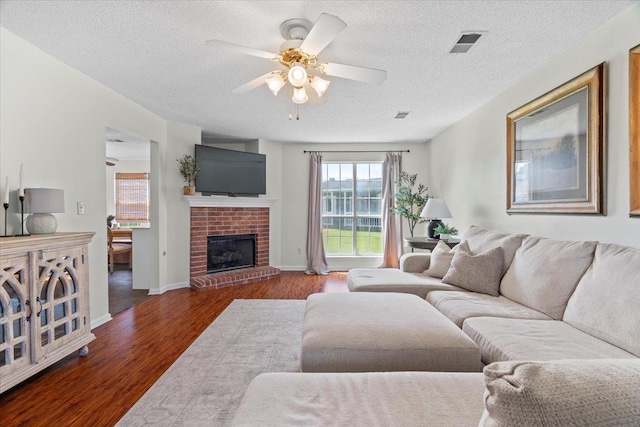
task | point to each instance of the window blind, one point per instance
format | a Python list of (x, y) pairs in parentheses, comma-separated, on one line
[(132, 196)]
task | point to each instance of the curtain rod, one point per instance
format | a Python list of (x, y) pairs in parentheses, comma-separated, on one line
[(358, 151)]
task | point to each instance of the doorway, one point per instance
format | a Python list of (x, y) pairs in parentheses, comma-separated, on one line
[(128, 165)]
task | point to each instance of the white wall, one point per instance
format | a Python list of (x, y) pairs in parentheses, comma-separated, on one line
[(181, 140), (468, 160), (294, 175), (276, 171), (53, 121)]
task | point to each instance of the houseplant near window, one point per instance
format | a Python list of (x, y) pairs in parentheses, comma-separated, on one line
[(444, 231), (188, 169), (409, 203)]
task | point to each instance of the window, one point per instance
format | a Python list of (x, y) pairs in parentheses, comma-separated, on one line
[(132, 197), (352, 208)]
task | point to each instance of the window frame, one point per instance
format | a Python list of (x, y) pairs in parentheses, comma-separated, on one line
[(352, 215), (143, 177)]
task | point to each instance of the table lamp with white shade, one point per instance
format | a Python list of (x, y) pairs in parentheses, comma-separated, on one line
[(434, 210), (41, 203)]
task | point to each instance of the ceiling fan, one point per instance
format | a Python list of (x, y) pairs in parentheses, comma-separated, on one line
[(298, 54)]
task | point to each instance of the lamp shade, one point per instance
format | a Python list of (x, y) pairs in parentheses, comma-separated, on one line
[(299, 95), (319, 85), (275, 83), (43, 200), (436, 208)]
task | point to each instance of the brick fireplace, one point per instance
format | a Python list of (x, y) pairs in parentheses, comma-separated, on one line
[(224, 216)]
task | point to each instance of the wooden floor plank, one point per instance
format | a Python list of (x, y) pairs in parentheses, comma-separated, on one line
[(133, 350)]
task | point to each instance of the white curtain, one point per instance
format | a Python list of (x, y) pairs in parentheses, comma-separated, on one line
[(391, 222), (316, 258)]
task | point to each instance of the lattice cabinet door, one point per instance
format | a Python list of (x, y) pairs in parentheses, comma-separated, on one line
[(15, 311), (59, 304)]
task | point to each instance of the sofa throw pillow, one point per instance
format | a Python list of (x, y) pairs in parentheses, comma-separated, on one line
[(440, 260), (545, 272), (595, 392), (481, 240), (476, 272)]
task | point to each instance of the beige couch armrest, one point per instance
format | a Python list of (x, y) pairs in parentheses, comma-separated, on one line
[(414, 263)]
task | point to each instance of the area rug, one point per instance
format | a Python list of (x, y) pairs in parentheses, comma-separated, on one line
[(205, 385)]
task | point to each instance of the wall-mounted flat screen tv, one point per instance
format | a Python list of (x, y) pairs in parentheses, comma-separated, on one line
[(230, 172)]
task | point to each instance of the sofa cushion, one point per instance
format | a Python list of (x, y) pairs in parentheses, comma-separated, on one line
[(476, 273), (562, 393), (481, 240), (458, 306), (523, 339), (544, 273), (364, 399), (440, 262), (605, 302), (393, 280)]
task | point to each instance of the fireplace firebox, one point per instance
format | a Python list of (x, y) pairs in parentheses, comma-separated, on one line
[(230, 252)]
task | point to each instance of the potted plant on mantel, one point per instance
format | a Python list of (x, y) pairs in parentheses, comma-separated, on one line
[(409, 203), (189, 168)]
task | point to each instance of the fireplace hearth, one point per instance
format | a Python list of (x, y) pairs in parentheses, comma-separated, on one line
[(230, 252)]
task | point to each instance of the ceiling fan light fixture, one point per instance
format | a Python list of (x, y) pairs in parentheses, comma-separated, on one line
[(319, 84), (275, 83), (297, 75), (299, 95)]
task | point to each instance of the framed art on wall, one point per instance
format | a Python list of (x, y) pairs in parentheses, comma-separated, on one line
[(555, 149), (634, 130)]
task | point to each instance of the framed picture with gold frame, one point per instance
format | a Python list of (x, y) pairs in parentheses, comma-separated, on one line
[(634, 130), (555, 149)]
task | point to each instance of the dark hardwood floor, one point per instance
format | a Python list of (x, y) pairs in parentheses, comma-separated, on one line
[(133, 350), (121, 293)]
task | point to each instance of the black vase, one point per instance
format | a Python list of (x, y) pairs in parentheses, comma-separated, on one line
[(431, 226)]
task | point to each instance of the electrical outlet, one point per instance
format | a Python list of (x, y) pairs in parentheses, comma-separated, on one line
[(80, 208)]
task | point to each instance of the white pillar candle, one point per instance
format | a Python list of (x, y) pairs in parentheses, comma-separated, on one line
[(21, 189), (6, 190)]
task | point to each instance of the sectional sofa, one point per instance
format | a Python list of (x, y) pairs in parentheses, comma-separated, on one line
[(557, 324), (553, 300)]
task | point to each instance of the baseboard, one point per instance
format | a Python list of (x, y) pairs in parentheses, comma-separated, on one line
[(170, 287), (100, 321), (298, 268), (291, 268)]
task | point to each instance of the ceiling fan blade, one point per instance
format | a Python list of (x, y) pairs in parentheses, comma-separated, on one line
[(242, 49), (252, 84), (362, 74), (326, 28)]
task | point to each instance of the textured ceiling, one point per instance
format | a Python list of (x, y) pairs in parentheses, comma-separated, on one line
[(154, 53)]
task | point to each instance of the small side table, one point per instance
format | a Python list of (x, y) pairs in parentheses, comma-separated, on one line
[(427, 243)]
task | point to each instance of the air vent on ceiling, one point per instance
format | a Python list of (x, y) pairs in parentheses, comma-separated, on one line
[(466, 41), (402, 114)]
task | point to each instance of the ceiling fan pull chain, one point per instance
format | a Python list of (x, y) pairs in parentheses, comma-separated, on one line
[(297, 112)]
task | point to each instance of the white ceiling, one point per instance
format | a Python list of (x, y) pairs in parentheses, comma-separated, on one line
[(154, 53)]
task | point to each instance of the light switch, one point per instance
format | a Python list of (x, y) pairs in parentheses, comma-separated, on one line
[(80, 208)]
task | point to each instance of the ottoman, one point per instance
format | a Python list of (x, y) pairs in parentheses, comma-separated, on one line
[(381, 332)]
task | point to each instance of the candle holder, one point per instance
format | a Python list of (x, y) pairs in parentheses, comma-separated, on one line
[(21, 198), (6, 208)]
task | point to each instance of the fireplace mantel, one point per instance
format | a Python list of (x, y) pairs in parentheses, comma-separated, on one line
[(222, 201)]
